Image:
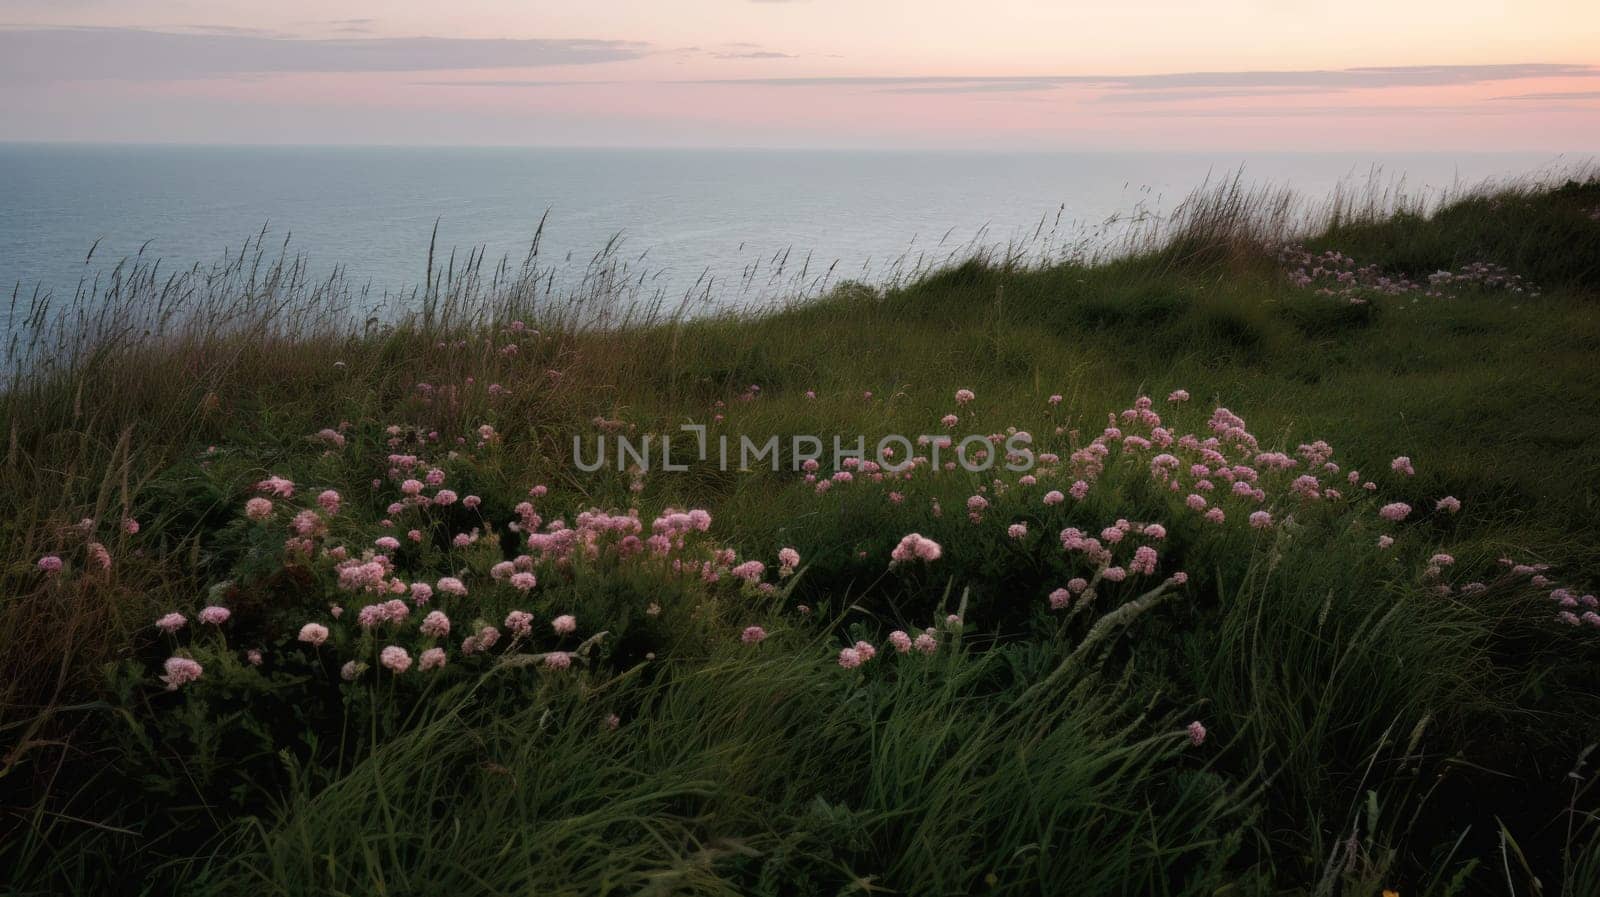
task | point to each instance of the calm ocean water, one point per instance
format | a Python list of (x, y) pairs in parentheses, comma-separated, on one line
[(681, 215)]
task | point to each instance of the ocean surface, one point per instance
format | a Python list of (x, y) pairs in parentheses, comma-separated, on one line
[(732, 226)]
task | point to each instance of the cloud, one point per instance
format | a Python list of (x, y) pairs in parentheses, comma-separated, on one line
[(1137, 87), (35, 55), (1556, 95), (755, 54)]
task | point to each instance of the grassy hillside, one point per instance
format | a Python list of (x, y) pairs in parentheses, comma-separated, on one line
[(1295, 597)]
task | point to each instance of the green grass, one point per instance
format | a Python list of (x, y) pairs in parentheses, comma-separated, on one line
[(1364, 732)]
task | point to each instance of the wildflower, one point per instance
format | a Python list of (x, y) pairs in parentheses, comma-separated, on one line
[(866, 650), (519, 622), (963, 396), (1054, 400), (849, 658), (949, 421), (421, 592), (1178, 395), (1054, 497), (750, 571), (431, 659), (1017, 530), (1060, 598), (1395, 511), (214, 615), (566, 624), (351, 670), (788, 560), (915, 547), (50, 564), (1197, 733), (452, 586), (558, 660), (444, 497), (753, 635), (276, 485), (1402, 464), (386, 543), (180, 671), (1261, 520), (253, 656), (523, 581), (395, 659), (130, 525), (435, 625), (258, 509), (1449, 503), (926, 643), (314, 634), (1385, 542), (329, 501), (900, 641), (171, 622)]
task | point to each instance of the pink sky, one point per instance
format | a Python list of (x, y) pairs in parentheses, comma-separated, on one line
[(1043, 74)]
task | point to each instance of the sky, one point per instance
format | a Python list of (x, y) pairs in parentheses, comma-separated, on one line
[(1189, 75)]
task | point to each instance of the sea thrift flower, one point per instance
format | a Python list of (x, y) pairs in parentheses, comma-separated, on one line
[(1449, 503), (926, 643), (750, 571), (386, 543), (276, 485), (949, 421), (452, 586), (329, 501), (258, 509), (1060, 598), (50, 564), (171, 622), (519, 622), (1197, 733), (1402, 464), (849, 658), (435, 625), (963, 396), (314, 634), (523, 581), (1178, 395), (558, 660), (753, 635), (1017, 530), (431, 659), (253, 656), (788, 560), (915, 547), (1054, 497), (395, 659), (214, 615), (421, 592), (900, 641), (1261, 520), (1054, 400), (1395, 511), (1385, 541), (130, 525), (566, 624), (444, 497), (180, 671)]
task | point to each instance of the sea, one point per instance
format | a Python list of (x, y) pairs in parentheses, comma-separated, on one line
[(727, 226)]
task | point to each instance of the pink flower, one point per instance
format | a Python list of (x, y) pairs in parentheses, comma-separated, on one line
[(523, 582), (566, 624), (130, 525), (1448, 503), (444, 497), (1402, 464), (949, 421), (351, 670), (865, 649), (926, 643), (386, 543), (963, 396), (452, 586), (519, 622), (900, 641), (1054, 497), (421, 592), (254, 656), (329, 501), (1261, 520), (214, 615), (276, 485), (180, 671), (431, 659), (849, 658), (558, 660), (314, 634), (50, 564), (1385, 541), (258, 509), (1054, 400), (1017, 530), (1059, 599), (1178, 395), (435, 625), (1395, 511), (171, 622), (915, 547), (750, 571), (411, 487), (753, 635), (1197, 733), (395, 659)]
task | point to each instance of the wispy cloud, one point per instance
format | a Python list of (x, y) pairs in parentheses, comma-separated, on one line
[(1137, 87), (35, 55), (1556, 95)]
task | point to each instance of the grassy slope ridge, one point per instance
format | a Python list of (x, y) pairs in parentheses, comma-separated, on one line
[(1365, 730)]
